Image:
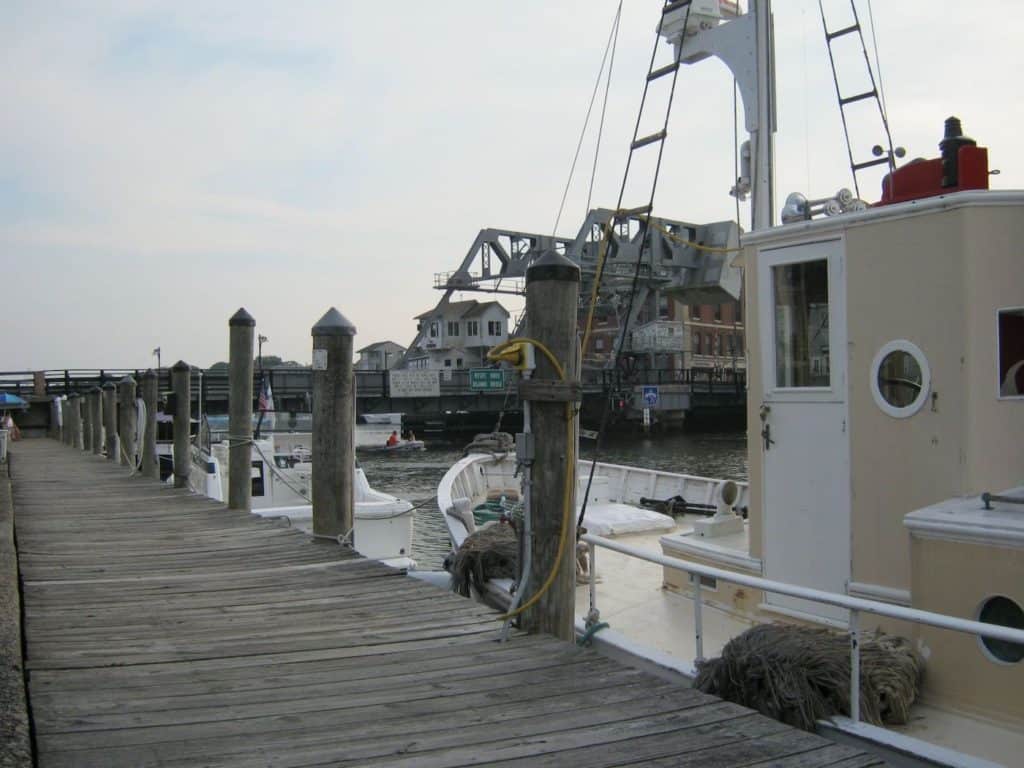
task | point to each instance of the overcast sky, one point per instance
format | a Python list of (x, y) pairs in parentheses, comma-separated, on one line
[(164, 163)]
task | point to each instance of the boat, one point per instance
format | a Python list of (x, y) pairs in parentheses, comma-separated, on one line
[(282, 471), (884, 444), (402, 446)]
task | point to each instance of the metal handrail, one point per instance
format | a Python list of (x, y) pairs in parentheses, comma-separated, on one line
[(854, 604)]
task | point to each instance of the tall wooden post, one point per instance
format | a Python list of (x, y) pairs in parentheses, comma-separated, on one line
[(150, 394), (181, 381), (110, 419), (56, 419), (94, 402), (128, 422), (76, 421), (240, 329), (87, 415), (334, 401), (65, 435), (552, 292)]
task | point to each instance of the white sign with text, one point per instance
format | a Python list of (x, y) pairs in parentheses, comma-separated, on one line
[(413, 383)]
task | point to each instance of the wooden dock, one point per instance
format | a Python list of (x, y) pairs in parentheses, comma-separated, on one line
[(164, 630)]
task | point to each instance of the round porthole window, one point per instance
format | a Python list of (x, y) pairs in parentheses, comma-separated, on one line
[(1006, 613), (900, 378)]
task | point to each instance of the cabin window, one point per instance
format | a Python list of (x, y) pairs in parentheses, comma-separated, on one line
[(900, 378), (1003, 612), (1010, 354), (257, 478), (801, 324)]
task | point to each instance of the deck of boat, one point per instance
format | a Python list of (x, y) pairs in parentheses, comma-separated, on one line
[(163, 629)]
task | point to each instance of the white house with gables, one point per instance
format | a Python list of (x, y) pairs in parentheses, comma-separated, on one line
[(379, 356), (457, 334)]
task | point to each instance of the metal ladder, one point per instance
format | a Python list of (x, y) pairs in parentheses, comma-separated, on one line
[(883, 155), (658, 137), (619, 221)]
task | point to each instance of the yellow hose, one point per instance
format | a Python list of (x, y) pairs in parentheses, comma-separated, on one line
[(570, 476)]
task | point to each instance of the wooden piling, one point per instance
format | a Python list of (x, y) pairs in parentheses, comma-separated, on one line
[(94, 402), (334, 399), (86, 423), (74, 402), (65, 417), (110, 419), (181, 382), (240, 329), (552, 291), (150, 394), (128, 422)]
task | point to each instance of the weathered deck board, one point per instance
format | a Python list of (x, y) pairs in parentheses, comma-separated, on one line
[(165, 630)]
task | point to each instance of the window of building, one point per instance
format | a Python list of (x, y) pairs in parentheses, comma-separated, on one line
[(1010, 352), (458, 362), (453, 328), (695, 311), (718, 313), (495, 327), (696, 344), (472, 328), (707, 344), (1004, 612), (433, 330), (900, 379), (663, 313), (448, 363)]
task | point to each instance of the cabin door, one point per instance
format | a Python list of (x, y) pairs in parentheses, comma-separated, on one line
[(803, 427)]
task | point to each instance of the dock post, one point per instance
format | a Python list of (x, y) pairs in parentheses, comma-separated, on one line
[(150, 394), (552, 291), (76, 421), (240, 330), (94, 400), (334, 408), (86, 423), (65, 435), (110, 419), (128, 422), (181, 382)]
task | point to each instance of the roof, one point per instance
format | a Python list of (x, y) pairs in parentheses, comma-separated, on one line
[(378, 345), (482, 307), (461, 309)]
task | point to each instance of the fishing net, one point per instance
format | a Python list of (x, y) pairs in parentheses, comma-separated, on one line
[(490, 552), (799, 675)]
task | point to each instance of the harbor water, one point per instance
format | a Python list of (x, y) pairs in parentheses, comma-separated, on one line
[(415, 475)]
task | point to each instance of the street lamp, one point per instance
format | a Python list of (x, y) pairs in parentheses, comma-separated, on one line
[(157, 353)]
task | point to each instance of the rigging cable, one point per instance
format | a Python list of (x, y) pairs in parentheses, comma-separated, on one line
[(604, 109), (612, 36), (878, 63)]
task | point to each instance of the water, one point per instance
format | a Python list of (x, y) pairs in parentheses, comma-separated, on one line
[(415, 476)]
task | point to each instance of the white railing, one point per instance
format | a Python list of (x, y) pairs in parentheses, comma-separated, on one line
[(855, 605)]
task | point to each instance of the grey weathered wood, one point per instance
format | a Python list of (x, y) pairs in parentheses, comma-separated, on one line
[(181, 383), (150, 396), (163, 629), (94, 400), (110, 420), (240, 331), (127, 422), (552, 294), (334, 409), (87, 417)]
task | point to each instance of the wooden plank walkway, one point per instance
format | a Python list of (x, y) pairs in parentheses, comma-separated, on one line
[(165, 630)]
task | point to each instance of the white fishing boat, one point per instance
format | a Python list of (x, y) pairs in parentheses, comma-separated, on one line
[(282, 486), (884, 341)]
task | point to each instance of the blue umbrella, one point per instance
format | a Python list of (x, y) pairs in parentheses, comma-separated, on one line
[(10, 402)]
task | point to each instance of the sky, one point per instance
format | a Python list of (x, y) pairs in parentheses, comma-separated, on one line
[(164, 163)]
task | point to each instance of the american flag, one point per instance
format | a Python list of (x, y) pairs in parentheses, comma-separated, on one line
[(266, 397)]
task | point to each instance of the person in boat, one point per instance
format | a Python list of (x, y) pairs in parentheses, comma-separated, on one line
[(393, 439)]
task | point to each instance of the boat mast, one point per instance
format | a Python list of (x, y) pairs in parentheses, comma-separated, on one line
[(745, 45)]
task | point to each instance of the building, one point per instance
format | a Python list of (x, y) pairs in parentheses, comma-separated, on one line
[(457, 334), (379, 356)]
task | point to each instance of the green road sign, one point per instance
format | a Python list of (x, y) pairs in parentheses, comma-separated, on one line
[(486, 379)]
